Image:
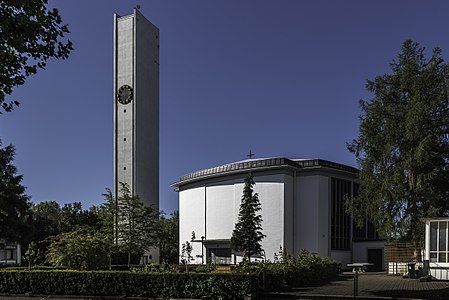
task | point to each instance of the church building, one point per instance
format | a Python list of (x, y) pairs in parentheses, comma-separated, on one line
[(302, 207)]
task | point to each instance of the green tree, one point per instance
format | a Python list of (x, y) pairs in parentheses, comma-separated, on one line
[(136, 225), (74, 217), (403, 145), (168, 236), (106, 213), (81, 249), (247, 233), (14, 203), (32, 255), (50, 219), (46, 220), (186, 254), (30, 34)]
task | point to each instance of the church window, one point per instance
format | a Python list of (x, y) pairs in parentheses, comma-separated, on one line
[(124, 168), (124, 139), (124, 110), (367, 231), (340, 221)]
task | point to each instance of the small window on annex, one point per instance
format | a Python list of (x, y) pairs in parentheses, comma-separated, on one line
[(438, 241)]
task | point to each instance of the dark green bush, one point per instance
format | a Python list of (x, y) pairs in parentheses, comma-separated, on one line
[(35, 268), (106, 283), (305, 270)]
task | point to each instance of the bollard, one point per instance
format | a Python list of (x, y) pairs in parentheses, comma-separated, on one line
[(356, 282)]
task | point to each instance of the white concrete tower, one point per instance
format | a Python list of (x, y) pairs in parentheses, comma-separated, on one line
[(136, 107)]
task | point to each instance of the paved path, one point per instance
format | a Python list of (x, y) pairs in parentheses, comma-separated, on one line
[(379, 285)]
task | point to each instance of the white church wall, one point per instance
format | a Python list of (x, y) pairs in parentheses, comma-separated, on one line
[(344, 257), (212, 210), (226, 199), (306, 213), (289, 217), (271, 195), (312, 214), (192, 218), (220, 211), (323, 215)]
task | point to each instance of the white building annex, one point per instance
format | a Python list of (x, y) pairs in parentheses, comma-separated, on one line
[(10, 253), (302, 203), (436, 250)]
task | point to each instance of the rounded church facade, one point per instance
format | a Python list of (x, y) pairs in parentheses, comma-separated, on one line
[(302, 207)]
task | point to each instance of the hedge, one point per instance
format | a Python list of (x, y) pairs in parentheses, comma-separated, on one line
[(304, 270), (107, 283), (313, 271)]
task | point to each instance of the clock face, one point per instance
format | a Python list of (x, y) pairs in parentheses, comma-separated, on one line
[(125, 94)]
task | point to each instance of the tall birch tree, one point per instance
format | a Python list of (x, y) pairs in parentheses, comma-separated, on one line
[(403, 145)]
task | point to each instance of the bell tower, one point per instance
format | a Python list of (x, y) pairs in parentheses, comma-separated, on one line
[(136, 107)]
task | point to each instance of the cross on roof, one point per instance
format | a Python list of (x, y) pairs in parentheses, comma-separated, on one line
[(250, 155)]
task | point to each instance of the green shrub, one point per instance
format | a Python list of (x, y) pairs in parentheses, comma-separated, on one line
[(155, 268), (208, 268), (80, 249), (305, 270), (107, 283)]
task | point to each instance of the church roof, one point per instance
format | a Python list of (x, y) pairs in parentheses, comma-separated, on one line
[(261, 164)]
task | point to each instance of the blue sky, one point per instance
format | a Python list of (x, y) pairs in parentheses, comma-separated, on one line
[(282, 78)]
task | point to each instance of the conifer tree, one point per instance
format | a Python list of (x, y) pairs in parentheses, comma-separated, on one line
[(247, 234), (403, 145), (14, 203)]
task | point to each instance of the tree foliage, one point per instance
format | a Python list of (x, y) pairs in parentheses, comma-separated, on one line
[(169, 238), (80, 249), (403, 145), (30, 34), (186, 253), (32, 255), (106, 213), (49, 219), (14, 203), (247, 234), (74, 217), (136, 224)]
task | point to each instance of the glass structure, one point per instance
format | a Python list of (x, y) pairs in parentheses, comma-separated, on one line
[(438, 241)]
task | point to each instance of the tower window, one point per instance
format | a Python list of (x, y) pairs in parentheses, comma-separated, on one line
[(124, 139), (124, 110), (124, 168)]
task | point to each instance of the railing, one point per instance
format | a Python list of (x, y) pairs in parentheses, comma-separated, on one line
[(438, 271)]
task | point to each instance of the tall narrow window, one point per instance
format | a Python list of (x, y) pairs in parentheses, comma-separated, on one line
[(442, 242), (438, 241), (340, 220)]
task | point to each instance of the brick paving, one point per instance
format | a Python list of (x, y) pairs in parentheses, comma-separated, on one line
[(379, 285)]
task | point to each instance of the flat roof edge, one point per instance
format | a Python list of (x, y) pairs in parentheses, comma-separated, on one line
[(260, 165)]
